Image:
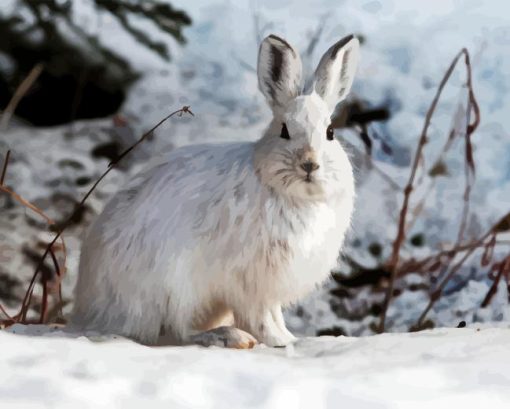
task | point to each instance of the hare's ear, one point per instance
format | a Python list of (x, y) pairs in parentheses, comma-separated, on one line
[(279, 71), (335, 72)]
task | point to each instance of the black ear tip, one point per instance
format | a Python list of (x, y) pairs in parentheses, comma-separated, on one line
[(340, 44), (346, 40), (274, 38)]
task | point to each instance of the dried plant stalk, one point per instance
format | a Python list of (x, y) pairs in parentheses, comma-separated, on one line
[(26, 301), (401, 233), (20, 92)]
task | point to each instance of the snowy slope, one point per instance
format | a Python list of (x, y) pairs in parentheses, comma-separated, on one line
[(443, 368)]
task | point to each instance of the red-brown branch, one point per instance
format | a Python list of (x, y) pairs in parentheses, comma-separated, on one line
[(503, 270), (395, 256), (4, 170), (26, 300), (439, 290)]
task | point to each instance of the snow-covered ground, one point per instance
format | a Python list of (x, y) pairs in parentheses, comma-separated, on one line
[(442, 368)]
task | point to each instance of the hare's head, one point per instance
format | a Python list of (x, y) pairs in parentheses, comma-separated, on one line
[(299, 154)]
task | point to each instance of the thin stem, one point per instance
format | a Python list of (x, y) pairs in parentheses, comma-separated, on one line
[(26, 300), (19, 94), (4, 170), (438, 291), (395, 256)]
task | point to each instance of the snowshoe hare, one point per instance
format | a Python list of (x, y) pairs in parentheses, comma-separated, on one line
[(207, 244)]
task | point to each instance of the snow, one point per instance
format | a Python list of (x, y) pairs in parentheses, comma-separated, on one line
[(442, 368)]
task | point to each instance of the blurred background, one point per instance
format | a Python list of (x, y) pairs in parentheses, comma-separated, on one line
[(82, 80)]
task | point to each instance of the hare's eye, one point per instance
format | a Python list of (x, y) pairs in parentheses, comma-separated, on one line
[(285, 132), (330, 134)]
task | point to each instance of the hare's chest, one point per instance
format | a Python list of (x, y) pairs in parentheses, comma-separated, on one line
[(314, 250)]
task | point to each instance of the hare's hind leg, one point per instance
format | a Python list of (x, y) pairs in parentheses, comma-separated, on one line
[(216, 314), (228, 337), (213, 327)]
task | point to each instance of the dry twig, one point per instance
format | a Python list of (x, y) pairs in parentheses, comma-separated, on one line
[(58, 270), (19, 94), (26, 301), (436, 294), (503, 269), (395, 256), (4, 170)]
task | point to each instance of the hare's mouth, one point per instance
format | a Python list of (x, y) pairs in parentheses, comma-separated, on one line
[(308, 179)]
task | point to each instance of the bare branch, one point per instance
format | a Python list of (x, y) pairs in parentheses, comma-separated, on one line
[(4, 170), (395, 256), (438, 291), (503, 269), (19, 94), (26, 301)]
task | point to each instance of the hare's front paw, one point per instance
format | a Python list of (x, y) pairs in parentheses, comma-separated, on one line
[(273, 335), (267, 325), (277, 339), (228, 337)]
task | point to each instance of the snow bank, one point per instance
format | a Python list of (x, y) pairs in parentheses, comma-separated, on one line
[(442, 368)]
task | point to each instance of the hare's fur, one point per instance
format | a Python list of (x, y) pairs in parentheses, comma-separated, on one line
[(213, 233)]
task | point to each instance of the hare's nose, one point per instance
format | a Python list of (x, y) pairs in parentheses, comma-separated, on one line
[(309, 166)]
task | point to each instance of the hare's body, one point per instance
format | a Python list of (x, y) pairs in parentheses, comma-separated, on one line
[(237, 231), (218, 238)]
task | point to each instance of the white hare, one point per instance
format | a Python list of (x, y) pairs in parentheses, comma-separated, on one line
[(209, 243)]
